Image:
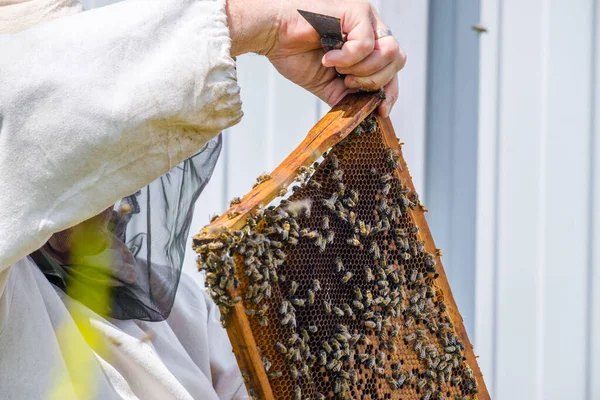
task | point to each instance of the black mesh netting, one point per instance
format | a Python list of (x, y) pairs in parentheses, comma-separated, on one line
[(137, 246)]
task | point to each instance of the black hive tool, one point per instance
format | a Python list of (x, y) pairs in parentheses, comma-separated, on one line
[(330, 29)]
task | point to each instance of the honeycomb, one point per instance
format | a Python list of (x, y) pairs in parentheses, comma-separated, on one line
[(342, 298)]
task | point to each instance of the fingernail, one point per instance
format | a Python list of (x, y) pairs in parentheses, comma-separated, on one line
[(356, 84), (385, 110), (388, 110)]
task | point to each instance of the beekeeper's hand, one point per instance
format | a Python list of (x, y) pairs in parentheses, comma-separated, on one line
[(276, 29)]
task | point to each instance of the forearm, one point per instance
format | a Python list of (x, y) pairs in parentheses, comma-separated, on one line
[(252, 25)]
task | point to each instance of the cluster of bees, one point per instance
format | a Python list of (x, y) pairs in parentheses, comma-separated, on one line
[(391, 301)]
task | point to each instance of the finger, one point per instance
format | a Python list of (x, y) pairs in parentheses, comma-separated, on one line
[(391, 96), (374, 81), (334, 92), (359, 24), (377, 21), (386, 51)]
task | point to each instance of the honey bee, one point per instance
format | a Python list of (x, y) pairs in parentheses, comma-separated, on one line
[(330, 236), (316, 285), (293, 371), (334, 161), (442, 306), (450, 349), (266, 363), (287, 318), (232, 214), (281, 348), (313, 328), (284, 307), (348, 310), (337, 386), (282, 192), (293, 287), (370, 324), (325, 223), (347, 276), (352, 217), (299, 302), (338, 174), (315, 184), (327, 306), (385, 222), (410, 337), (339, 264), (442, 365), (342, 214), (311, 297), (430, 374), (368, 298), (321, 243), (353, 241), (293, 339), (383, 179), (375, 250), (275, 375), (386, 189), (263, 177), (358, 305), (329, 204), (338, 311), (322, 357)]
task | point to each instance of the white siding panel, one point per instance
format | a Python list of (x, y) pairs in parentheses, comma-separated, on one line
[(452, 144), (593, 353), (294, 113), (485, 305), (537, 258), (247, 141), (567, 172), (520, 198), (408, 20)]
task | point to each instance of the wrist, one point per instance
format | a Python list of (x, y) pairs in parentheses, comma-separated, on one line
[(253, 25)]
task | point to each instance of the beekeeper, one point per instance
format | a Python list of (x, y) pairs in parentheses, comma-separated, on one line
[(109, 131)]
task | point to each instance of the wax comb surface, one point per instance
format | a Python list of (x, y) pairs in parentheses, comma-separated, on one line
[(341, 285)]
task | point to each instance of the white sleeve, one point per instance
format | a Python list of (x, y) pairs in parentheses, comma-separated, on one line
[(96, 105)]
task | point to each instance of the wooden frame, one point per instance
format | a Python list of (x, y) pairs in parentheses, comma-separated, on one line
[(333, 128)]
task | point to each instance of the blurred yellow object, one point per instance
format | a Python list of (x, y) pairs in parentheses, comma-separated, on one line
[(78, 358)]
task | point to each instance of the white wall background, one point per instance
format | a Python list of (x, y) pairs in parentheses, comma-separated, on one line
[(538, 215), (506, 152)]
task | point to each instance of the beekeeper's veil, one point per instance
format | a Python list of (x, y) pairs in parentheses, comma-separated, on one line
[(148, 232)]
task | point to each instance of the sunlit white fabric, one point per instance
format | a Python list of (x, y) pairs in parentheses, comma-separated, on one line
[(93, 107)]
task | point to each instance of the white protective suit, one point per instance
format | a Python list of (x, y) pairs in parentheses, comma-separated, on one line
[(142, 86)]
